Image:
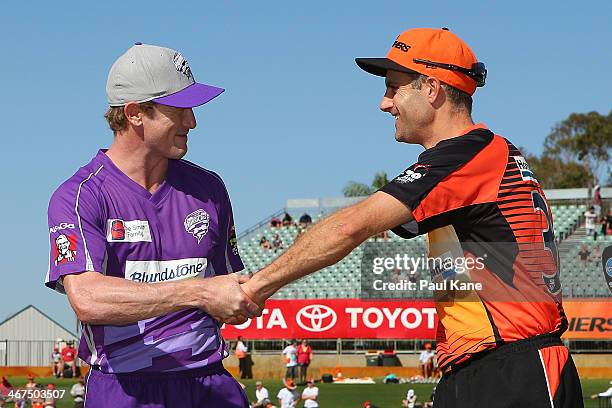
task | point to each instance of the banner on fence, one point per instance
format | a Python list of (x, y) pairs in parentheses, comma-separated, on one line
[(363, 319), (340, 318)]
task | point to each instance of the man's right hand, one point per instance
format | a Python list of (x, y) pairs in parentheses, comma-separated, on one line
[(224, 300)]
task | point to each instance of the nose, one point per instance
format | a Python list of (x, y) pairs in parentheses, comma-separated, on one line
[(386, 104), (189, 119)]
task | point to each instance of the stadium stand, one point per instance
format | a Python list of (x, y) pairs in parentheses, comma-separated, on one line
[(344, 279)]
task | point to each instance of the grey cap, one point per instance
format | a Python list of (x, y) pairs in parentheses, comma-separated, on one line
[(151, 73)]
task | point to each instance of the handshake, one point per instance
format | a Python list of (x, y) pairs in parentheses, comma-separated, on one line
[(232, 298)]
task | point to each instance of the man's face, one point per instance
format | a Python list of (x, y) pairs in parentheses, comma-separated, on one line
[(166, 128), (63, 244), (407, 105)]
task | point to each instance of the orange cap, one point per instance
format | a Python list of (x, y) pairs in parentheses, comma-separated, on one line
[(431, 52)]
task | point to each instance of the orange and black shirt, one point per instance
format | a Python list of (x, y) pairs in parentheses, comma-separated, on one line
[(475, 197)]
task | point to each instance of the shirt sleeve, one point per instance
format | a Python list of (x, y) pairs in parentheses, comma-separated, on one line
[(76, 235), (436, 184), (229, 257)]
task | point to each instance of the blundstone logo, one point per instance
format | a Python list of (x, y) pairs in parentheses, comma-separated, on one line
[(401, 46)]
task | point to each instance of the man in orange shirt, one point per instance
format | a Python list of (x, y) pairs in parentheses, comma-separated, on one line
[(472, 192)]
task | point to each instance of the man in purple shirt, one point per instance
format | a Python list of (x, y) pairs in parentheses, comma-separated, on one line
[(144, 245)]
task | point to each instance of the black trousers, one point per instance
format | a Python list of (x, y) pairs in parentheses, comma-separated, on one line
[(537, 373)]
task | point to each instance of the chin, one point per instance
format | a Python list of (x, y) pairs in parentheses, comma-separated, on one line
[(177, 153)]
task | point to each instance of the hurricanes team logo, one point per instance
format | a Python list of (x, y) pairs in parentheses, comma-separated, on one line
[(197, 224), (65, 249), (181, 65)]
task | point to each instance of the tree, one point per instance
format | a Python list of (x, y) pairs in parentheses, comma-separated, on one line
[(355, 189), (584, 139), (553, 172)]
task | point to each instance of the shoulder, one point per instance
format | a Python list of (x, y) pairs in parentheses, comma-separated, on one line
[(191, 169), (82, 185)]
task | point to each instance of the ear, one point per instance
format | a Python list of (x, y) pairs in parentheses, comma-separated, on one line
[(433, 87), (133, 113)]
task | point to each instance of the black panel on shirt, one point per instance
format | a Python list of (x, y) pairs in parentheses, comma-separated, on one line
[(434, 164)]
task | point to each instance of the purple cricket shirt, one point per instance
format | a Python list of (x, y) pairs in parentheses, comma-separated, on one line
[(100, 220)]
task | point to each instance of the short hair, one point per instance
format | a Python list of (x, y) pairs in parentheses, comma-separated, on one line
[(459, 99), (116, 117)]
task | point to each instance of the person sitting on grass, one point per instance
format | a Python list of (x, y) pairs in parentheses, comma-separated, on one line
[(262, 395), (410, 401), (310, 395), (288, 396), (78, 393)]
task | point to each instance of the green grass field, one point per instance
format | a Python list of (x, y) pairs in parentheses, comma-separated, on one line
[(335, 395)]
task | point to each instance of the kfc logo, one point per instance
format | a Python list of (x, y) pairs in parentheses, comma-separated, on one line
[(197, 224), (65, 249), (316, 318)]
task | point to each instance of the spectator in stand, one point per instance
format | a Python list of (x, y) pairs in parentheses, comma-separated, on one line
[(262, 395), (305, 220), (277, 243), (589, 222), (584, 254), (78, 393), (242, 354), (56, 362), (383, 236), (290, 353), (426, 361), (597, 200), (69, 354), (310, 395), (287, 220), (264, 243), (596, 254), (275, 222), (288, 396), (304, 357)]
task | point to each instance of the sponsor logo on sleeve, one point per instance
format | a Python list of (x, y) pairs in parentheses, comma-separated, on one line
[(412, 174), (526, 173), (233, 241), (65, 249), (165, 271), (118, 230), (61, 226), (197, 224)]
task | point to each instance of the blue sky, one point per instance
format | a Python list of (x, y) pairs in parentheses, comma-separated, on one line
[(298, 119)]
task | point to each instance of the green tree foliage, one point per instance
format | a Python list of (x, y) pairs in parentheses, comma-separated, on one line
[(355, 189), (553, 172), (584, 139)]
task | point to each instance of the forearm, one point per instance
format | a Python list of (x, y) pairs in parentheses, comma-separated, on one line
[(110, 300), (326, 243)]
